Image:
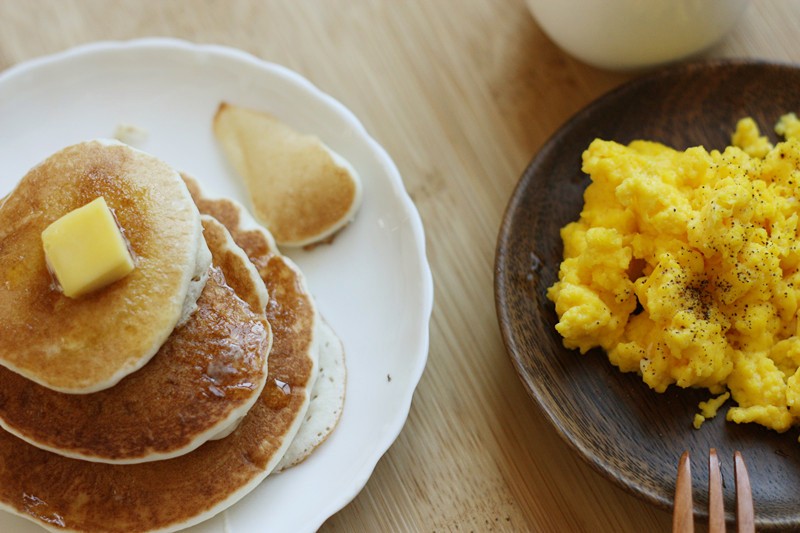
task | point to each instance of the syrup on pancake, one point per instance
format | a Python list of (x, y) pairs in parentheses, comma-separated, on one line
[(203, 379)]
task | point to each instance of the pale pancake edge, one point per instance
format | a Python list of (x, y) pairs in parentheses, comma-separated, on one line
[(327, 399)]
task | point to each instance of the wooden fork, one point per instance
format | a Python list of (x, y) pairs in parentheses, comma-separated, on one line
[(682, 521)]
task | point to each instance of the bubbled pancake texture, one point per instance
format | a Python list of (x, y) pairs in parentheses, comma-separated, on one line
[(327, 399)]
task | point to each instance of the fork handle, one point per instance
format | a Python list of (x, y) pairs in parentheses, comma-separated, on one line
[(745, 515), (682, 521)]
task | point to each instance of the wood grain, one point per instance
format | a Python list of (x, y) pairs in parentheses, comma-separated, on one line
[(462, 94)]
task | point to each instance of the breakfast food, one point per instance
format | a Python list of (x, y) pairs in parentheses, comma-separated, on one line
[(684, 267), (300, 189), (233, 391), (205, 378), (178, 492), (326, 399), (90, 343), (85, 250)]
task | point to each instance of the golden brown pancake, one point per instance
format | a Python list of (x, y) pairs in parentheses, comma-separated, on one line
[(300, 189), (203, 379), (240, 273), (167, 495), (277, 272), (328, 392), (89, 344)]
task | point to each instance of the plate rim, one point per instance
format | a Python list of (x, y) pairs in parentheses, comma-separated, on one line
[(423, 278), (502, 258)]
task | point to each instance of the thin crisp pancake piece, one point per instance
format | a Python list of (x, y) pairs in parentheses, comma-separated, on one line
[(300, 190), (64, 493), (88, 344), (204, 379)]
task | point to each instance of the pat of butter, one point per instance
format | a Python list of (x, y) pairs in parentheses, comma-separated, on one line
[(86, 250)]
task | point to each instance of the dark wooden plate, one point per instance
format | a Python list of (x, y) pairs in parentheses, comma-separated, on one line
[(628, 432)]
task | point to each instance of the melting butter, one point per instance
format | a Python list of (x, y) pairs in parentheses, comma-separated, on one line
[(86, 250)]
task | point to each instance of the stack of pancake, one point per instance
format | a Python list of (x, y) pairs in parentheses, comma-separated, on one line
[(163, 398)]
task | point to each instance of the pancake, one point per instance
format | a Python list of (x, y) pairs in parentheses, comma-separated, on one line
[(201, 382), (240, 273), (88, 344), (328, 392), (67, 494), (327, 400), (300, 189), (261, 248)]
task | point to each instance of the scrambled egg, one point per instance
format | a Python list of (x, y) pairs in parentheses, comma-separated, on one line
[(685, 268)]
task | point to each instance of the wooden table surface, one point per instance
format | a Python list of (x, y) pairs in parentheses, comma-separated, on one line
[(462, 93)]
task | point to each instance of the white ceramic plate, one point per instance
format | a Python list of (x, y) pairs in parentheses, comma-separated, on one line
[(373, 284)]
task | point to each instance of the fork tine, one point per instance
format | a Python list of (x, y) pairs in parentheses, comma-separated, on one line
[(745, 518), (682, 512), (716, 509)]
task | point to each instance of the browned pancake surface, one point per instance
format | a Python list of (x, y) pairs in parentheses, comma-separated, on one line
[(290, 310), (210, 367), (234, 264), (128, 498), (86, 344), (296, 187)]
